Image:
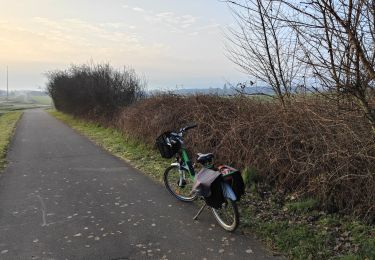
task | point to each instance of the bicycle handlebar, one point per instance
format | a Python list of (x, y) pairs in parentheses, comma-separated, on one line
[(178, 136), (182, 130), (188, 127)]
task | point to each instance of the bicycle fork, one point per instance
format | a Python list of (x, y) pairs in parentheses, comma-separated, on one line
[(182, 181), (182, 175)]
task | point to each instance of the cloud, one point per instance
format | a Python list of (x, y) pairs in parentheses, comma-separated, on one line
[(211, 28), (67, 40), (173, 22), (112, 25), (181, 24), (138, 9)]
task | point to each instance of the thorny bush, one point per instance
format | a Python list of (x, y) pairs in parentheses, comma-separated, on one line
[(311, 148)]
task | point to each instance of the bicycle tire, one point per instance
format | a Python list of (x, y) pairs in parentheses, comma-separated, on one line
[(233, 223), (171, 179)]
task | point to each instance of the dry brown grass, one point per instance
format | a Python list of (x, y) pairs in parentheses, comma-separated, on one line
[(312, 148)]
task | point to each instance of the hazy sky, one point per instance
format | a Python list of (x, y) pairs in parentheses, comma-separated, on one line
[(170, 42)]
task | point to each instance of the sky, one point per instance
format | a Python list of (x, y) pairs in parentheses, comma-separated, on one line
[(172, 43)]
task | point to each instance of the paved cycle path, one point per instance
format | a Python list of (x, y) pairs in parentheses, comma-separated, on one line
[(63, 197)]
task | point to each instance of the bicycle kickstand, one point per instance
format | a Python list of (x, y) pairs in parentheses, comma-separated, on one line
[(200, 211)]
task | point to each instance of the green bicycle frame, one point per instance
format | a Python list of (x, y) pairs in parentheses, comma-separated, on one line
[(186, 161), (185, 164)]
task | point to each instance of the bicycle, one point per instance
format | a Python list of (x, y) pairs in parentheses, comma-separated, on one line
[(179, 178)]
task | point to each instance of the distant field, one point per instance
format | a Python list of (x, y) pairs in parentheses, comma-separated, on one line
[(24, 101), (43, 100)]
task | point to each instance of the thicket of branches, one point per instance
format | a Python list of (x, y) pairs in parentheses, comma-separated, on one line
[(308, 150), (325, 45), (264, 47), (95, 90)]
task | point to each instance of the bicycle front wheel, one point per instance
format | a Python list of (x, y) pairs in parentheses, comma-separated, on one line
[(179, 183), (227, 216)]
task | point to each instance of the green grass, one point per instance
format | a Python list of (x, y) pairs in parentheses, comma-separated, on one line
[(302, 206), (288, 230), (299, 241), (15, 103), (294, 228), (11, 106), (7, 125), (41, 100), (15, 106)]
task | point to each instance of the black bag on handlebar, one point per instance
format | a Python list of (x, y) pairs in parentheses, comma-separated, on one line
[(167, 146)]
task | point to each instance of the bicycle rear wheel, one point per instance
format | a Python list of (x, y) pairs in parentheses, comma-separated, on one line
[(179, 183), (227, 216)]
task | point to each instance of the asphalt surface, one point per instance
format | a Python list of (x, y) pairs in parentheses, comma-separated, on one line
[(63, 197)]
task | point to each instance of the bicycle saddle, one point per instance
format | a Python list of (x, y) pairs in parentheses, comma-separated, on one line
[(204, 157)]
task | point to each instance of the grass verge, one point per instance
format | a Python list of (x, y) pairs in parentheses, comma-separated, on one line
[(295, 228), (301, 231), (7, 125)]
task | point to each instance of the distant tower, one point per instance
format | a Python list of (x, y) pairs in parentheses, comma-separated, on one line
[(7, 85)]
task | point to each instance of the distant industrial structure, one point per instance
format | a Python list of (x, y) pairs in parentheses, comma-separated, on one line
[(7, 84)]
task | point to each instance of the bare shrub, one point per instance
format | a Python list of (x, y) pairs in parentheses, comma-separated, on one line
[(338, 45), (325, 45), (308, 149), (94, 90), (264, 47)]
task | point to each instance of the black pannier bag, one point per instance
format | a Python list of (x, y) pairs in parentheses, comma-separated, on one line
[(233, 177), (167, 146), (216, 199), (208, 184)]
